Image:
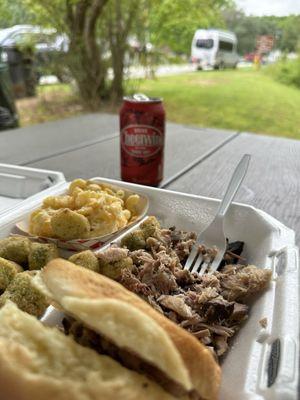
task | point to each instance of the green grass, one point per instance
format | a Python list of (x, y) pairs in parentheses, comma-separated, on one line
[(244, 100), (51, 102)]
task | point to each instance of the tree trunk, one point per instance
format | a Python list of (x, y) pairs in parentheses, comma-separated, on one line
[(89, 76), (84, 55), (118, 27), (117, 89)]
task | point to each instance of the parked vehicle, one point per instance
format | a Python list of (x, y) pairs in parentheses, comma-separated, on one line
[(8, 113), (214, 48), (49, 49)]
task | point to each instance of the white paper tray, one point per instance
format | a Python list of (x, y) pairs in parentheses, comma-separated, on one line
[(17, 183), (256, 355)]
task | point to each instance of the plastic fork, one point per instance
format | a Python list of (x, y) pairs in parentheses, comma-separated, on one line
[(213, 237)]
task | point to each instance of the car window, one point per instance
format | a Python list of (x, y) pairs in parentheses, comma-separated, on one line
[(204, 43), (225, 46)]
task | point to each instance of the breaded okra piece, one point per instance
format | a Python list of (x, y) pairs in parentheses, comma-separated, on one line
[(149, 226), (25, 295), (40, 254), (67, 224), (8, 270), (86, 259), (134, 240), (15, 249), (113, 269)]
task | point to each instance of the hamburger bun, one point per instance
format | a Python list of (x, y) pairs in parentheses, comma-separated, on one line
[(128, 322), (41, 363)]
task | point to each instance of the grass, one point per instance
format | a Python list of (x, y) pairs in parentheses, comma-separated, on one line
[(244, 100), (52, 102)]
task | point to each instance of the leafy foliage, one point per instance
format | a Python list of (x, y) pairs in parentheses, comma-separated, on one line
[(286, 30), (286, 71), (14, 13), (172, 23)]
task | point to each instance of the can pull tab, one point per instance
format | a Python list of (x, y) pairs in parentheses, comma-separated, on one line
[(140, 97)]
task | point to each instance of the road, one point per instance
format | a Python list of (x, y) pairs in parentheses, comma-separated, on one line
[(142, 72), (137, 72)]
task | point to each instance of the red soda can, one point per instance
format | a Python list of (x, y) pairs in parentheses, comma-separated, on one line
[(142, 139)]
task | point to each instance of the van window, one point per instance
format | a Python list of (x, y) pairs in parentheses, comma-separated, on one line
[(204, 43), (225, 46)]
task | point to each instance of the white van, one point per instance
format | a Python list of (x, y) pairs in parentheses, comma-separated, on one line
[(214, 48)]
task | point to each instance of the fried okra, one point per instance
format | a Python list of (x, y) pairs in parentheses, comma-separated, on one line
[(113, 269), (8, 270), (67, 224), (15, 249), (134, 240), (113, 260), (25, 295), (137, 239), (40, 254), (149, 226), (86, 259)]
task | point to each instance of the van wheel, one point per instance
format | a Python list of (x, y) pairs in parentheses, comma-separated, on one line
[(221, 66)]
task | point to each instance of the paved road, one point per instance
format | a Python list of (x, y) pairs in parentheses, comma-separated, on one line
[(141, 72), (138, 72)]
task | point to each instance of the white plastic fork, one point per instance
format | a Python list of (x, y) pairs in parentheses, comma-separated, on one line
[(213, 236)]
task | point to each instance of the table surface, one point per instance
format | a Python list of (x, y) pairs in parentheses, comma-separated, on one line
[(197, 160)]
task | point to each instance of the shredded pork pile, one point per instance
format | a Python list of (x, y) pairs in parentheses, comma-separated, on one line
[(211, 307)]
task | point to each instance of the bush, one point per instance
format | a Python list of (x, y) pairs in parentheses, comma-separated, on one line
[(286, 71)]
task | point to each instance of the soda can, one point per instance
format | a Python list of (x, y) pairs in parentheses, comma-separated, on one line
[(142, 139)]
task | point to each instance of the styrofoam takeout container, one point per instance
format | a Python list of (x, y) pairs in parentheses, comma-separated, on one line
[(262, 363), (18, 183)]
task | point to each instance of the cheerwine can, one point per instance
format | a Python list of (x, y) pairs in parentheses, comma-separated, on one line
[(142, 139)]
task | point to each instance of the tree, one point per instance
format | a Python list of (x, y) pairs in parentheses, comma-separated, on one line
[(289, 33), (285, 30), (78, 19), (118, 23), (85, 52), (172, 23), (245, 28), (14, 13)]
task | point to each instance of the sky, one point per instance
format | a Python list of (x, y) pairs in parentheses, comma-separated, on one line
[(269, 7)]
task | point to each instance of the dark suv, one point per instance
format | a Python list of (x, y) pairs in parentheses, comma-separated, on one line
[(31, 52), (8, 113)]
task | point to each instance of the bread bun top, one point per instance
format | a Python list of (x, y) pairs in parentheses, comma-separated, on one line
[(126, 320), (41, 363)]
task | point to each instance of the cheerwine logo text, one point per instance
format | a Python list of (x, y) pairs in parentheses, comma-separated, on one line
[(141, 140)]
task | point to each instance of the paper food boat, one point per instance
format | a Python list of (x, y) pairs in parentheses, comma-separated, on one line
[(22, 227)]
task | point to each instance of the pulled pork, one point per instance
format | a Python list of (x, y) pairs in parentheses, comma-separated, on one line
[(211, 307)]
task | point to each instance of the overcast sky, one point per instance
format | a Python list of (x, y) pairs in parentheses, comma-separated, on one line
[(269, 7)]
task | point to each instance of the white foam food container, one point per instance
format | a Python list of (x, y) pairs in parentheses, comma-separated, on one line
[(18, 183), (262, 363)]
